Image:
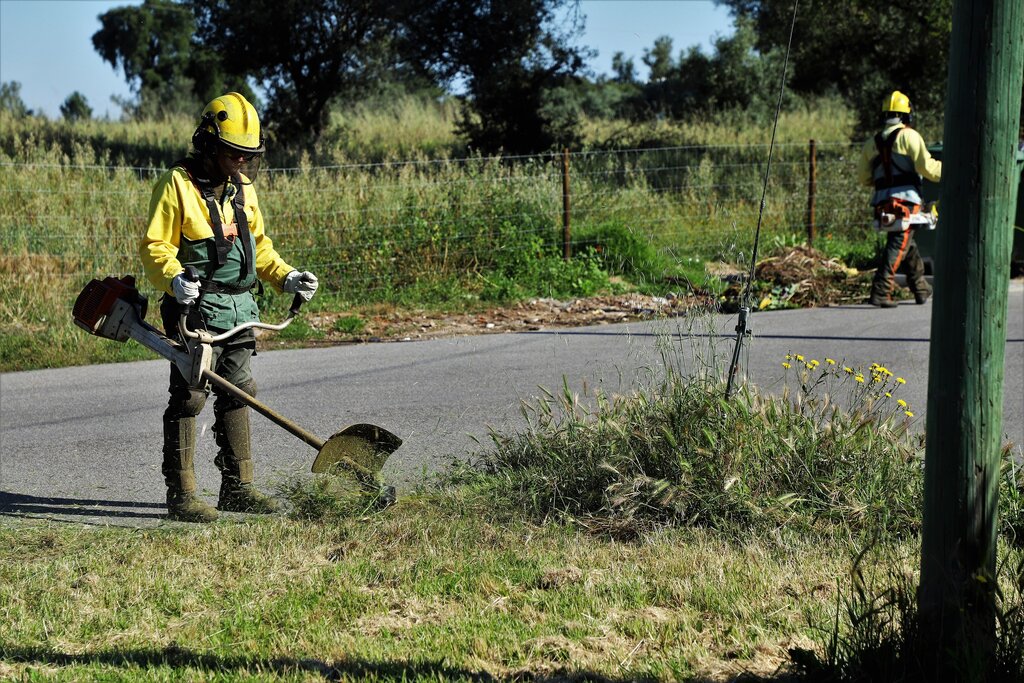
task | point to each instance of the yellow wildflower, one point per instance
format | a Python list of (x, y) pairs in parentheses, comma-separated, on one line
[(859, 378), (909, 414), (900, 380), (786, 365), (800, 358), (848, 370), (830, 361), (901, 403)]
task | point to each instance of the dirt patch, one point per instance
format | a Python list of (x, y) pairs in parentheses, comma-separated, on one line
[(794, 278), (524, 316)]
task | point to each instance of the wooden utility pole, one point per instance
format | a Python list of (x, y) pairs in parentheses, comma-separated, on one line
[(968, 335)]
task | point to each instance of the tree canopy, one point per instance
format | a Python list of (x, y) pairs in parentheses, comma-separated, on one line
[(860, 50), (10, 99), (512, 58), (516, 65), (75, 107), (165, 66), (307, 55)]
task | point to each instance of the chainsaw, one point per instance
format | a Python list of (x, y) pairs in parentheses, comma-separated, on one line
[(114, 309)]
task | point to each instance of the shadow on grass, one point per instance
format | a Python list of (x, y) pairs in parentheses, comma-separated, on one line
[(349, 669), (63, 509)]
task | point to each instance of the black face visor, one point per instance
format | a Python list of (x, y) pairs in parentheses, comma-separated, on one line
[(232, 161)]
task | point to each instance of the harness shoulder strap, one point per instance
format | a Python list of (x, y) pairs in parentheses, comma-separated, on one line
[(222, 245), (242, 223), (884, 146)]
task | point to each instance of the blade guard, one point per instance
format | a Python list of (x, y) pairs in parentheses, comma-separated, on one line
[(362, 449)]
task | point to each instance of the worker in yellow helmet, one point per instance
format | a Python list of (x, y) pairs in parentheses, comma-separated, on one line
[(893, 162), (204, 213)]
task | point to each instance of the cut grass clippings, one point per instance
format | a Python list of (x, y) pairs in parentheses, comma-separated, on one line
[(418, 592)]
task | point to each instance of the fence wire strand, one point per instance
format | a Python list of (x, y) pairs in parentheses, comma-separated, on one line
[(373, 219)]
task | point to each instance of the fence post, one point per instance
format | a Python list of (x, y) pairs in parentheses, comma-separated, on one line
[(566, 239), (812, 181)]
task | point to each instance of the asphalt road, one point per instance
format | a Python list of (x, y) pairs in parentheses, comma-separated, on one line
[(83, 443)]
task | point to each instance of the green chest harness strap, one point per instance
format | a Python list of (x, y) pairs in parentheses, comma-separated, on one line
[(222, 243)]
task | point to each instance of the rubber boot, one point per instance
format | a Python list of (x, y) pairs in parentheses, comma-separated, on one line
[(916, 279), (179, 454), (234, 459), (882, 302), (881, 288)]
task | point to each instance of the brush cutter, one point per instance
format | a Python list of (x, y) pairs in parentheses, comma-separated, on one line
[(114, 309)]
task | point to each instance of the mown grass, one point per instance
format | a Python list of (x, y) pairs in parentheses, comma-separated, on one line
[(418, 592), (663, 535), (389, 209)]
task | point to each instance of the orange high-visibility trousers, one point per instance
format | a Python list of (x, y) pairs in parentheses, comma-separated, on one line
[(901, 253)]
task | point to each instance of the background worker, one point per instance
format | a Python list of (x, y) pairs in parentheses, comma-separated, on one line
[(893, 161), (204, 213)]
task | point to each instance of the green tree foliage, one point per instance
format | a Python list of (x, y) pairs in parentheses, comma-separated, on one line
[(517, 64), (306, 54), (623, 69), (10, 99), (310, 55), (735, 76), (659, 59), (76, 107), (167, 69), (861, 49)]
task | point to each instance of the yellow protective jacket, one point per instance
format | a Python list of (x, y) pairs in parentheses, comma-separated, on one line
[(180, 233), (909, 155)]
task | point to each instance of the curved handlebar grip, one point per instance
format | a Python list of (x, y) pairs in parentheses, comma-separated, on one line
[(191, 273), (297, 301)]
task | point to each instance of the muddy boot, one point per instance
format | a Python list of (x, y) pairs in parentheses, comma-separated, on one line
[(179, 451), (187, 507), (236, 497), (234, 459), (881, 289)]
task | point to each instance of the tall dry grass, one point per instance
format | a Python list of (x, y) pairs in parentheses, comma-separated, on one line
[(418, 230)]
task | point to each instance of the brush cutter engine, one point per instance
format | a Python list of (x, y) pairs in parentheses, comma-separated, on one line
[(114, 309), (99, 309)]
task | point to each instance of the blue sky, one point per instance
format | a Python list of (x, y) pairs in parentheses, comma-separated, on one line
[(46, 44)]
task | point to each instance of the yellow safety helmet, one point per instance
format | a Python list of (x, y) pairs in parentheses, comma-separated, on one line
[(231, 121), (896, 101)]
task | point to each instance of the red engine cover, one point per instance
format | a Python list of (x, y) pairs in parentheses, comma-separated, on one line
[(98, 297)]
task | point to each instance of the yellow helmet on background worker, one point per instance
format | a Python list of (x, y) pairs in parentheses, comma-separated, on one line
[(896, 105), (231, 121), (896, 101)]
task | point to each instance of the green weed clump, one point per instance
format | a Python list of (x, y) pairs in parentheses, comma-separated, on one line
[(833, 454)]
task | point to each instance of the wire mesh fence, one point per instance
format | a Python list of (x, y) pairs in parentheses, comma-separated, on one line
[(372, 229)]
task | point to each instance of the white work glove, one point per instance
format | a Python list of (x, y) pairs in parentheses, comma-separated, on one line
[(304, 284), (185, 291)]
